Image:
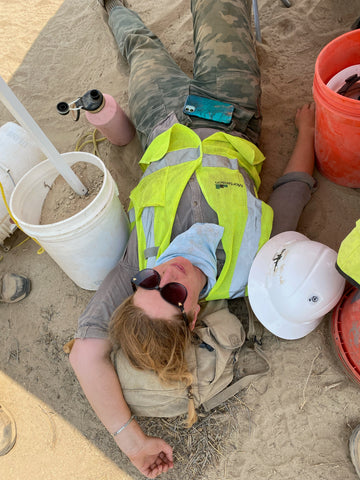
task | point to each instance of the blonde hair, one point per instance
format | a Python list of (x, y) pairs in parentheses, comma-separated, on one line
[(152, 344)]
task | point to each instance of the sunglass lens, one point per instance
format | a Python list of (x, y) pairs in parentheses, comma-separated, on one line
[(174, 293), (147, 278)]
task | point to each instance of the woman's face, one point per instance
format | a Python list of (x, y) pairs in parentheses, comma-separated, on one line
[(179, 270)]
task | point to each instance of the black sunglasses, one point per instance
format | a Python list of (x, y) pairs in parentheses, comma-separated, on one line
[(173, 292)]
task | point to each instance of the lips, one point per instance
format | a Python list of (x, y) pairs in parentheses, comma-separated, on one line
[(179, 267)]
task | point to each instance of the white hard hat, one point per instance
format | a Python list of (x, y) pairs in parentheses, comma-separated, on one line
[(293, 283)]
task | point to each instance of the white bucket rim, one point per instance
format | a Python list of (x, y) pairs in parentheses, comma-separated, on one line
[(67, 221)]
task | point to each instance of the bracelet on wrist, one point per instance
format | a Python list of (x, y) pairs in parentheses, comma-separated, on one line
[(124, 426)]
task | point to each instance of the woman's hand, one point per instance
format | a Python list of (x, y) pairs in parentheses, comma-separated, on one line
[(90, 359), (305, 117), (153, 457)]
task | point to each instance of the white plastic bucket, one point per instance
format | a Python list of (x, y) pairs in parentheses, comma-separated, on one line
[(18, 154), (87, 245)]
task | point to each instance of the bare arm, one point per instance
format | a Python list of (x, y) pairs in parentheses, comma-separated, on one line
[(288, 199), (90, 359), (303, 157)]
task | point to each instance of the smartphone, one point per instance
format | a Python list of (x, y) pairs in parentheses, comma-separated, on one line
[(209, 109)]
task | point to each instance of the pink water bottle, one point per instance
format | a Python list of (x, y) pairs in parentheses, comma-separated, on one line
[(102, 111)]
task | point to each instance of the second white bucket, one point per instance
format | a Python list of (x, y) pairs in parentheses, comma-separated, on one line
[(18, 154), (87, 245)]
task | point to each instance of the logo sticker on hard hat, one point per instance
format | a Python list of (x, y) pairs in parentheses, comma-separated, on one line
[(277, 257), (314, 299)]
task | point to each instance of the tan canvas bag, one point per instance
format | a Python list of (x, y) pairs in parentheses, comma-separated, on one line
[(211, 363)]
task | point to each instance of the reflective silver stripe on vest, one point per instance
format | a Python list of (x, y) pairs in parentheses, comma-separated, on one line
[(147, 219), (148, 225), (210, 160), (151, 252), (248, 248), (131, 214), (173, 158)]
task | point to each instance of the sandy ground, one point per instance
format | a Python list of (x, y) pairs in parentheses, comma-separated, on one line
[(298, 419)]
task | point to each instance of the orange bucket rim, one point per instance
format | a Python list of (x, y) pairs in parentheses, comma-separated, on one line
[(338, 340)]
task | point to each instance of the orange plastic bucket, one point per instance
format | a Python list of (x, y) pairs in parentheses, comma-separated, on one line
[(345, 333), (337, 121)]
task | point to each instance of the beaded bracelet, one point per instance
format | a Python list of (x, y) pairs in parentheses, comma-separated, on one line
[(124, 426)]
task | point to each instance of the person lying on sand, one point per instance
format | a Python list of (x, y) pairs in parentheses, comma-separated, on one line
[(197, 221)]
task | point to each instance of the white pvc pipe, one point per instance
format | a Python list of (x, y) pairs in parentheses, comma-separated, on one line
[(17, 109)]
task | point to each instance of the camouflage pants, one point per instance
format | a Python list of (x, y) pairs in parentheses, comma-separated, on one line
[(225, 68)]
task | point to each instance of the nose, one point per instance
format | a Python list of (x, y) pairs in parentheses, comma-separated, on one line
[(167, 274)]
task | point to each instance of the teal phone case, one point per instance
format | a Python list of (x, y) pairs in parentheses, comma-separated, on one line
[(209, 109)]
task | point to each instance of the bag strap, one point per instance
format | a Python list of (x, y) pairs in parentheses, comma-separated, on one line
[(255, 329), (235, 387), (255, 332)]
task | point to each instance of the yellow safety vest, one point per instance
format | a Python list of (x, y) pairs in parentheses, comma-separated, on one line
[(168, 164), (348, 259)]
